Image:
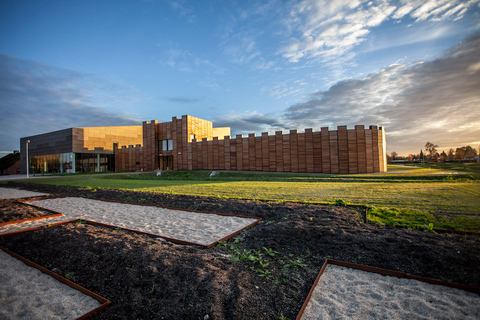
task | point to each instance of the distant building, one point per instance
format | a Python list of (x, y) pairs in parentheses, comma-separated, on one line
[(191, 143), (10, 164)]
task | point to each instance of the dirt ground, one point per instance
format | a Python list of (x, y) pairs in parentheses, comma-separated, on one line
[(148, 278)]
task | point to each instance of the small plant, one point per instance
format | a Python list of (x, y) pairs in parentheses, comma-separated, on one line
[(69, 276), (118, 228), (127, 199), (264, 273), (80, 221), (142, 200), (152, 290), (339, 202)]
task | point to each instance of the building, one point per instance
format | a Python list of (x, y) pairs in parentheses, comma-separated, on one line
[(191, 143), (10, 164)]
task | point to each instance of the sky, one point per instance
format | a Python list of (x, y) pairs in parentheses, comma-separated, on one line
[(410, 66)]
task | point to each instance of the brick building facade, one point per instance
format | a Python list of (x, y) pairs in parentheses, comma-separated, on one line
[(191, 143)]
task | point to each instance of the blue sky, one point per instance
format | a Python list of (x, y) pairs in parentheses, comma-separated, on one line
[(256, 66)]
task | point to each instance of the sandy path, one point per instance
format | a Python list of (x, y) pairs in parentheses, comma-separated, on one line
[(27, 293), (10, 193), (195, 227), (13, 227), (344, 293)]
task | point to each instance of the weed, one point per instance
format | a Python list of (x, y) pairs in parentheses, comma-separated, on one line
[(142, 200), (269, 222), (264, 273), (80, 221), (282, 317), (118, 228), (339, 202), (127, 199), (69, 276), (152, 290)]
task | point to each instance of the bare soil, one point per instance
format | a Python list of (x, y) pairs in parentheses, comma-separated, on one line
[(147, 278)]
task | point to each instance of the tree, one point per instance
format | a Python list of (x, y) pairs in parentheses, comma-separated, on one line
[(443, 156), (393, 155), (432, 150), (422, 156), (470, 152), (460, 153), (451, 154)]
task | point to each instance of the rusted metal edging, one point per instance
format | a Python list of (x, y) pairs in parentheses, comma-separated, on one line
[(31, 219), (35, 228), (384, 272), (103, 301)]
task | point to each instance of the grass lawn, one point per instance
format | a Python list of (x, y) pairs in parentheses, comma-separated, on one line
[(422, 196)]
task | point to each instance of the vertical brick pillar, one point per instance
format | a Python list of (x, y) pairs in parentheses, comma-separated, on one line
[(293, 150), (221, 154), (216, 154), (258, 153), (210, 154), (286, 153), (362, 157), (272, 157), (325, 150), (343, 149), (334, 167), (227, 153), (279, 150), (233, 154), (352, 151), (194, 155), (376, 158), (246, 164), (251, 152), (317, 151), (369, 149), (302, 156), (205, 153), (309, 150), (265, 163), (239, 147)]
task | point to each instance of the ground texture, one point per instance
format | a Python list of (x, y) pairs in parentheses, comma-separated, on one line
[(265, 272)]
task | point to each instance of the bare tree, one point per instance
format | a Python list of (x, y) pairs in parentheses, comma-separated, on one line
[(431, 149)]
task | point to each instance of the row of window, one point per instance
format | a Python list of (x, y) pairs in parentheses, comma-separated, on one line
[(71, 163)]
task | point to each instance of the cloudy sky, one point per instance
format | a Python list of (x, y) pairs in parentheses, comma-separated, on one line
[(412, 66)]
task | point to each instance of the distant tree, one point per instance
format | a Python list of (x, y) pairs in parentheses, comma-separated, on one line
[(432, 150), (410, 157), (470, 152), (460, 153), (422, 156), (443, 156), (393, 155), (451, 154)]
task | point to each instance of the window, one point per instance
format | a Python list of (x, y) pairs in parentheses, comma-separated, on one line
[(166, 145)]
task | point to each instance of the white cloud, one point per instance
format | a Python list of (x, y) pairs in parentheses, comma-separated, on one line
[(331, 29)]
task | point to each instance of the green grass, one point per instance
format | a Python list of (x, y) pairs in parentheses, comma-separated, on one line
[(447, 196)]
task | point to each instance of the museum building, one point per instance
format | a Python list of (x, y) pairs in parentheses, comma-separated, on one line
[(190, 143)]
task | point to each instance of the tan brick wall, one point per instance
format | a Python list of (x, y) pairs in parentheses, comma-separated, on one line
[(357, 150)]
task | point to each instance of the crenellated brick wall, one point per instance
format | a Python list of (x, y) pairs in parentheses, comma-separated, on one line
[(358, 150)]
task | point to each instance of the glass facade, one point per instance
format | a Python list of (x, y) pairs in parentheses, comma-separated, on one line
[(72, 162)]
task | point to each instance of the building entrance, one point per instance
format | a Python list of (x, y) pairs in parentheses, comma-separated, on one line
[(166, 163)]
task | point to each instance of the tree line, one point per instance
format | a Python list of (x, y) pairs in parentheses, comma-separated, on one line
[(431, 154)]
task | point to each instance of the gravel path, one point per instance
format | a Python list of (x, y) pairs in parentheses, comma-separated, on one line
[(344, 293), (27, 293), (11, 193), (194, 227)]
